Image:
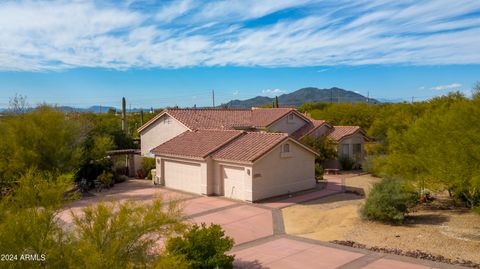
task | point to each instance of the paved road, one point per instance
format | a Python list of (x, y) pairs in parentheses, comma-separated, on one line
[(258, 230)]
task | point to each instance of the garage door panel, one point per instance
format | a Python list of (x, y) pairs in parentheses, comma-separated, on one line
[(233, 182), (182, 176)]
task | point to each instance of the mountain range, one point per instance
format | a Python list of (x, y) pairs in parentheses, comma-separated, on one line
[(301, 96)]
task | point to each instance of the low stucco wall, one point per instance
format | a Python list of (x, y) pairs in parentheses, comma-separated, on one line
[(275, 175)]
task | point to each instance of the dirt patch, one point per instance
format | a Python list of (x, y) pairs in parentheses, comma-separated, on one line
[(452, 233)]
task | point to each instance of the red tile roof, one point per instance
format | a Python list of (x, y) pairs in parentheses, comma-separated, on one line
[(263, 117), (308, 128), (212, 118), (222, 119), (197, 143), (340, 132), (249, 146)]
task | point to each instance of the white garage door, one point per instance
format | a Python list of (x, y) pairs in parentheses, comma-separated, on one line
[(182, 176), (233, 182)]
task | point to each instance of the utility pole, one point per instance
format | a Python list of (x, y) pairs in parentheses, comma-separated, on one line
[(124, 114), (368, 97), (413, 97), (213, 98)]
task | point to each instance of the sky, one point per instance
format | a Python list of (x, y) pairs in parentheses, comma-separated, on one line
[(166, 53)]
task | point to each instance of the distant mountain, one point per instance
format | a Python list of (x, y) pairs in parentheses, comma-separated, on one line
[(92, 109), (301, 96)]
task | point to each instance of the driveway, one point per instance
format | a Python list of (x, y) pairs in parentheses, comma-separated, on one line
[(260, 240)]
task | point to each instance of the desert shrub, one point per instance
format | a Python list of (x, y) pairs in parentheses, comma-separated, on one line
[(319, 171), (346, 163), (120, 178), (373, 164), (118, 235), (122, 235), (148, 164), (203, 247), (92, 170), (389, 201), (106, 178), (367, 164), (27, 219)]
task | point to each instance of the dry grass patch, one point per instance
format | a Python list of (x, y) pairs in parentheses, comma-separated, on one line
[(453, 233)]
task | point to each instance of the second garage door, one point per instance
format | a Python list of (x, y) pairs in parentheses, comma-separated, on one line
[(233, 182), (182, 176)]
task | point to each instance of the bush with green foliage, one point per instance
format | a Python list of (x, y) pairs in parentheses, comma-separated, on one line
[(319, 171), (44, 139), (203, 247), (106, 178), (323, 146), (120, 178), (389, 201), (148, 164), (346, 163), (118, 235)]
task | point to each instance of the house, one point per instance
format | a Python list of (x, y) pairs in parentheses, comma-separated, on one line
[(237, 164), (246, 154)]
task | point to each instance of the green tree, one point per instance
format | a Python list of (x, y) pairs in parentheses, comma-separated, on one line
[(323, 146), (203, 247), (440, 149), (122, 235), (45, 139), (115, 235)]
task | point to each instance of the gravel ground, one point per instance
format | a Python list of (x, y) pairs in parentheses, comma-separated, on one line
[(452, 233)]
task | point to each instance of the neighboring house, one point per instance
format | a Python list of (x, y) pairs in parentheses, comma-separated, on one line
[(246, 154), (350, 142)]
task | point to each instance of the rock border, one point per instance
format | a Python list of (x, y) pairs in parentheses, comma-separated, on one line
[(418, 254)]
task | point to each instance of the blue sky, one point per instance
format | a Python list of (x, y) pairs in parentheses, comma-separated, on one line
[(161, 53)]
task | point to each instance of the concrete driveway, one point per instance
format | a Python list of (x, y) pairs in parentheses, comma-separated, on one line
[(260, 240)]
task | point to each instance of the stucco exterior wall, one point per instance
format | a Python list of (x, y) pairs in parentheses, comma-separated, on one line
[(275, 175), (162, 130), (350, 141), (288, 125)]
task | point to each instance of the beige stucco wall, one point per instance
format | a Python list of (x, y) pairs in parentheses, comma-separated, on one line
[(159, 132), (350, 140), (274, 175), (288, 125)]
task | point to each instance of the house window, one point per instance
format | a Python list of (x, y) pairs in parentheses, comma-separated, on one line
[(345, 150), (286, 148), (290, 116), (357, 151)]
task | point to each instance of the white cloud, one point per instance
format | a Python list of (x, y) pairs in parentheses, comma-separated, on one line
[(174, 9), (235, 92), (62, 34), (452, 86), (273, 92)]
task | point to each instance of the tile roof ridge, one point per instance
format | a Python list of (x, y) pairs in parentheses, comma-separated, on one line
[(210, 109)]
